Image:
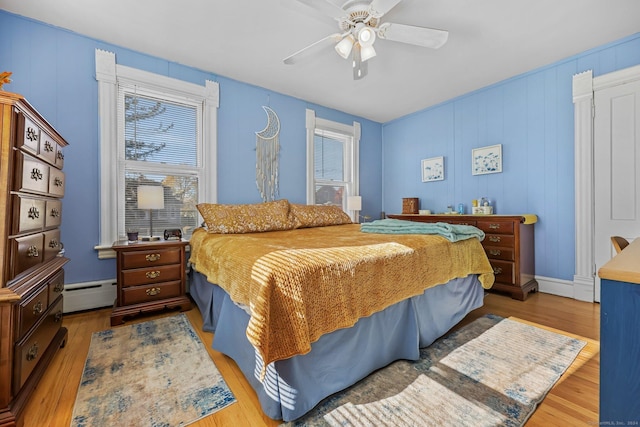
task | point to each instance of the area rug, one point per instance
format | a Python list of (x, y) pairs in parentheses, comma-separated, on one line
[(491, 372), (156, 373)]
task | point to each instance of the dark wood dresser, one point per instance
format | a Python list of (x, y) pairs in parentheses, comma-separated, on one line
[(32, 279), (508, 242), (151, 276)]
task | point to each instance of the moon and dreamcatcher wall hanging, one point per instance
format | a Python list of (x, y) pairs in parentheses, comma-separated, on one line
[(267, 153)]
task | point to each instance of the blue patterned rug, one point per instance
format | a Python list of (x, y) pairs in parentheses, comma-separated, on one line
[(156, 373), (491, 372)]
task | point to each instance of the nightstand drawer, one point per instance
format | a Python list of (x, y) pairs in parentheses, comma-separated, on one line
[(142, 259), (499, 253), (143, 276), (496, 227), (502, 240), (147, 293), (504, 271)]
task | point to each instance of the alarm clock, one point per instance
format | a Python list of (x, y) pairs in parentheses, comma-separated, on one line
[(173, 234)]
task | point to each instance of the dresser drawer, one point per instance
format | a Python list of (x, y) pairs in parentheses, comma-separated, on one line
[(501, 240), (28, 134), (56, 286), (54, 213), (496, 227), (32, 175), (56, 182), (140, 259), (499, 253), (59, 163), (143, 276), (51, 244), (32, 309), (504, 271), (31, 214), (462, 222), (26, 252), (152, 292), (47, 148), (30, 349)]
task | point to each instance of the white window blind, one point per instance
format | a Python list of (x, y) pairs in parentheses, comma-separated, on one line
[(329, 167)]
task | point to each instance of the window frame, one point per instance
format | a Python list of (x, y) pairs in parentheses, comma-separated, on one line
[(351, 156), (111, 78)]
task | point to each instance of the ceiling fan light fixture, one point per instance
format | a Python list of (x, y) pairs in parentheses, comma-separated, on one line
[(366, 36), (344, 46), (367, 52)]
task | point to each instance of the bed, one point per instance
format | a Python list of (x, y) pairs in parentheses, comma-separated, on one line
[(307, 304)]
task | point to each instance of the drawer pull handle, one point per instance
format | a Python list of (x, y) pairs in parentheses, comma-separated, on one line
[(497, 270), (58, 316), (59, 287), (37, 309), (494, 226), (33, 352), (152, 257), (494, 239), (32, 135), (48, 147), (60, 156), (36, 174), (153, 291), (55, 212), (152, 274), (57, 182), (494, 252), (53, 243), (32, 252), (34, 213)]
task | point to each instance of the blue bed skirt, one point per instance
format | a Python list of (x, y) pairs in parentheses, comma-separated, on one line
[(292, 387)]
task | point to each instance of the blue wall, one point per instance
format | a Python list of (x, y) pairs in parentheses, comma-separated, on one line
[(531, 115), (55, 70)]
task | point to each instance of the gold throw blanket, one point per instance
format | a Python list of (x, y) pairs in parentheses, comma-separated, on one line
[(300, 284)]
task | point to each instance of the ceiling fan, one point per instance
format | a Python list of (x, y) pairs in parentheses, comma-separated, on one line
[(360, 25)]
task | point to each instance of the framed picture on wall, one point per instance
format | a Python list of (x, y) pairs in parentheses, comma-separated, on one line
[(433, 169), (486, 160)]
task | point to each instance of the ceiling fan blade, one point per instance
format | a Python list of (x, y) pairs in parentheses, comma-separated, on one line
[(380, 7), (325, 7), (360, 67), (420, 36), (313, 48)]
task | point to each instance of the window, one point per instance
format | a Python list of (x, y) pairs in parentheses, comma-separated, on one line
[(152, 132), (332, 161)]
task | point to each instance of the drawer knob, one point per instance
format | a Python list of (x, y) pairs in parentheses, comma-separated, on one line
[(36, 174), (48, 147), (58, 316), (59, 287), (37, 309), (153, 291), (32, 135), (152, 274), (152, 257), (497, 270), (60, 155), (53, 243), (55, 212), (494, 252), (33, 352), (32, 252), (33, 213), (57, 182), (494, 239), (494, 226)]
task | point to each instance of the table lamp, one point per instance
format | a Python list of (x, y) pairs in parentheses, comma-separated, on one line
[(151, 197)]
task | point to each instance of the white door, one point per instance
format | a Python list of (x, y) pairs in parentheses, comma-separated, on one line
[(616, 169)]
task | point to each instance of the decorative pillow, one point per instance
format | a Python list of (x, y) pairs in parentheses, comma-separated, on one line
[(318, 215), (248, 218)]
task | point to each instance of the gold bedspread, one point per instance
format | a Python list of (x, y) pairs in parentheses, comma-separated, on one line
[(300, 284)]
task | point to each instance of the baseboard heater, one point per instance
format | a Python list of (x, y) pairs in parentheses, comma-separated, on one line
[(89, 295)]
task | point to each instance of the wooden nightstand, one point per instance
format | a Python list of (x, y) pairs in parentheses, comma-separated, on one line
[(151, 276)]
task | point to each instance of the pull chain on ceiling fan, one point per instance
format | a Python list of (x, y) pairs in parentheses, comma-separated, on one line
[(359, 22)]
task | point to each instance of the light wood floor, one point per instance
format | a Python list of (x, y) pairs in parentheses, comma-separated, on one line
[(572, 402)]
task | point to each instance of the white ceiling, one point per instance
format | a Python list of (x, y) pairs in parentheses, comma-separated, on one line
[(247, 40)]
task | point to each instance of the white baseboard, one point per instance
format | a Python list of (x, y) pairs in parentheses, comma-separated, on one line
[(563, 288), (89, 295)]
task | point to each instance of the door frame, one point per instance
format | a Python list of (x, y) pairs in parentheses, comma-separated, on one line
[(584, 86)]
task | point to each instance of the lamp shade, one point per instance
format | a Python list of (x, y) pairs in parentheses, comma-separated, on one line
[(150, 197), (344, 46), (354, 203)]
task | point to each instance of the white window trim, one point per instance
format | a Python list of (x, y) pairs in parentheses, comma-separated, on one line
[(352, 156), (108, 75)]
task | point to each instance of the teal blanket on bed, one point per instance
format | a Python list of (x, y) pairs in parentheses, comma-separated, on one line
[(452, 232)]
